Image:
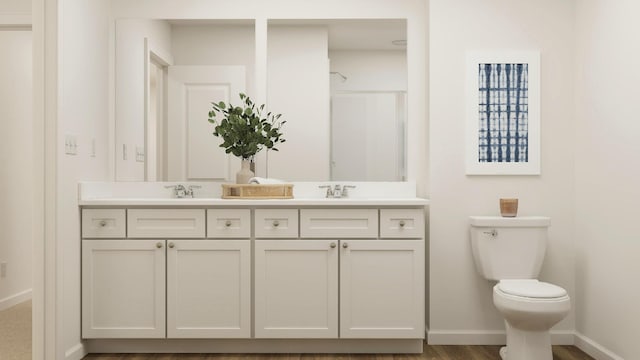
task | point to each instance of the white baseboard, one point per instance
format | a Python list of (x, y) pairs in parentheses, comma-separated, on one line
[(487, 337), (594, 349), (15, 299), (465, 337), (250, 346), (76, 352)]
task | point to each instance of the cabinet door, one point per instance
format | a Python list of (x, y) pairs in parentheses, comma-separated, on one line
[(208, 288), (296, 289), (123, 289), (382, 289)]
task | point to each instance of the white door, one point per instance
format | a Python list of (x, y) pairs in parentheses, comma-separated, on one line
[(382, 289), (208, 288), (296, 289), (193, 153), (123, 289)]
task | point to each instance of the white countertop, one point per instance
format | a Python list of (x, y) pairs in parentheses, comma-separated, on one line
[(209, 194), (188, 202)]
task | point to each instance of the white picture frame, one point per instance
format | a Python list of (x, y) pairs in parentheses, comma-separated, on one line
[(497, 142)]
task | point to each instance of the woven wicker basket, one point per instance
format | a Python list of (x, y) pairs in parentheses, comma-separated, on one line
[(257, 191)]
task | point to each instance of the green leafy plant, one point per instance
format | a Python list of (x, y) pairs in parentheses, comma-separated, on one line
[(244, 129)]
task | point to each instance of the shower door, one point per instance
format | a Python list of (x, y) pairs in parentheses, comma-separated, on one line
[(367, 136)]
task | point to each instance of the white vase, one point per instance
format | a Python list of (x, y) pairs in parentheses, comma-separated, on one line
[(245, 173)]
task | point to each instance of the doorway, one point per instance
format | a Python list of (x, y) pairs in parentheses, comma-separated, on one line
[(16, 191)]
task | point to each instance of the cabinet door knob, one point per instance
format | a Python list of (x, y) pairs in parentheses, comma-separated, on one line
[(402, 223), (172, 245), (345, 245), (102, 223), (333, 245), (276, 223), (227, 223), (159, 245)]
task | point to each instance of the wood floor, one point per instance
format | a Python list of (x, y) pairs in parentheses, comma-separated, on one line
[(431, 352)]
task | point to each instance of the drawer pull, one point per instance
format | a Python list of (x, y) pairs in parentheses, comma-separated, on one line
[(227, 223), (159, 245), (172, 245), (333, 245), (402, 223), (345, 245), (276, 223), (103, 223)]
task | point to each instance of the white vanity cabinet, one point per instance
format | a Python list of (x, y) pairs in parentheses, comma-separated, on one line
[(296, 289), (165, 288), (353, 272), (208, 289), (371, 287), (123, 289), (381, 289)]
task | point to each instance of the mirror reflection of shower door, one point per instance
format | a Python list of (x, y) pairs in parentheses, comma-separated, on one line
[(192, 151), (367, 136)]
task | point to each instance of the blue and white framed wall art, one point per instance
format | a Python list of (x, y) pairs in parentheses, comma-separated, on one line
[(503, 113)]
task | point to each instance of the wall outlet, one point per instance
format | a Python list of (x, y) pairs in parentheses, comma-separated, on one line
[(3, 270), (124, 151)]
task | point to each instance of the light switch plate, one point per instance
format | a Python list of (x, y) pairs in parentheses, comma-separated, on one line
[(139, 154), (71, 145)]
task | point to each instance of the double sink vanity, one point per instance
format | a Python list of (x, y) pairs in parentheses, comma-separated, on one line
[(203, 274)]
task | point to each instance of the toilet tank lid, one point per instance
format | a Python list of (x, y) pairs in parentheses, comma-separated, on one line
[(531, 288), (518, 221)]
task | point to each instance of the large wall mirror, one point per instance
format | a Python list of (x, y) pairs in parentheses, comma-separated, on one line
[(340, 84)]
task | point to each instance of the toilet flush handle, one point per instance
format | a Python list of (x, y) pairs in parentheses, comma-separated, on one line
[(493, 232)]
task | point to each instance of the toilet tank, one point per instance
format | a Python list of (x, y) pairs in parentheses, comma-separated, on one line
[(508, 248)]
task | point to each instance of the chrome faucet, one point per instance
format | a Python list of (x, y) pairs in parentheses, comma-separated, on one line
[(190, 188), (179, 191), (337, 191)]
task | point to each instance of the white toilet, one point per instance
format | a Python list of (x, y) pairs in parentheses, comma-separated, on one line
[(511, 251)]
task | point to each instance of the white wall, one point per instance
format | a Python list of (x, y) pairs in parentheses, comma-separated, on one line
[(461, 306), (216, 45), (16, 167), (129, 89), (83, 111), (298, 88), (607, 174), (369, 70)]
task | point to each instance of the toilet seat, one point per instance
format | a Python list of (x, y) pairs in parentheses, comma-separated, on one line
[(530, 288)]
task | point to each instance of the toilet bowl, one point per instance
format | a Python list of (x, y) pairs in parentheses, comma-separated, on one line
[(530, 308)]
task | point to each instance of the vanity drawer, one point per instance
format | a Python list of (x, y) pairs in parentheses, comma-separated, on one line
[(165, 223), (402, 223), (276, 223), (103, 223), (339, 223), (229, 223)]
